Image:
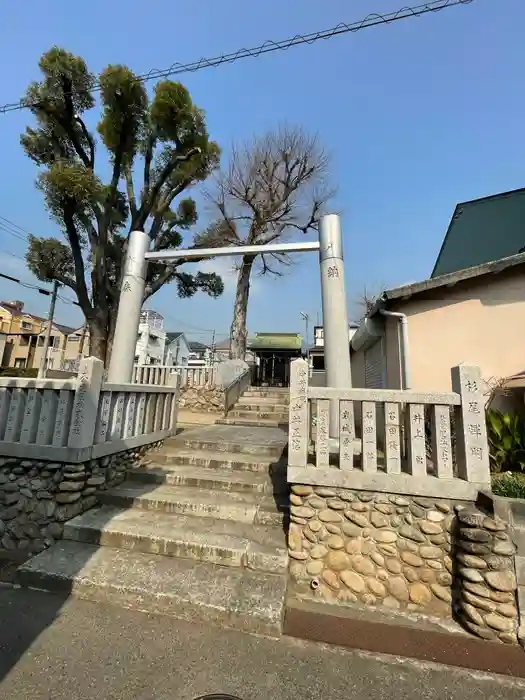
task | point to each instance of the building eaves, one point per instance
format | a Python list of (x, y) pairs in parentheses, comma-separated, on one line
[(445, 281)]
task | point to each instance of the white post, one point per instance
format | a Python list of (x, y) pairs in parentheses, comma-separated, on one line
[(472, 449), (335, 314), (128, 317), (299, 428), (86, 403)]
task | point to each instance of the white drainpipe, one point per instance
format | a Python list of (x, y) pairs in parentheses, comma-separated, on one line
[(407, 379)]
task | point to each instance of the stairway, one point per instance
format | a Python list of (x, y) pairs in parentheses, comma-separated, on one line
[(260, 407), (195, 532)]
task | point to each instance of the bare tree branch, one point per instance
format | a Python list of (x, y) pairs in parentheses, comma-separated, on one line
[(273, 187)]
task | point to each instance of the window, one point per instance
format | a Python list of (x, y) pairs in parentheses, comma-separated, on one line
[(26, 325), (40, 341), (20, 362), (55, 341)]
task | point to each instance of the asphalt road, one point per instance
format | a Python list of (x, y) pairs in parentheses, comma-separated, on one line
[(51, 649)]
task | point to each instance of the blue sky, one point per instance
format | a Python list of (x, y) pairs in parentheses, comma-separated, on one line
[(417, 116)]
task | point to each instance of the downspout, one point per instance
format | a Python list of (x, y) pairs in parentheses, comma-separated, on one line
[(405, 365)]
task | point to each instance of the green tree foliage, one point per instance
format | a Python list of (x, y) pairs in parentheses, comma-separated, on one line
[(157, 149)]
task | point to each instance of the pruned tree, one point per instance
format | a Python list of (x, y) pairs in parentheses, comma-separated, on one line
[(161, 143), (274, 187)]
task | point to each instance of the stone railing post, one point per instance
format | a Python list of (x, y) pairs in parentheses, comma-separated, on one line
[(85, 404), (299, 429), (472, 449)]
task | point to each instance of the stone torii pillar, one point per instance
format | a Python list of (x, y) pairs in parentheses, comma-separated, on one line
[(335, 315)]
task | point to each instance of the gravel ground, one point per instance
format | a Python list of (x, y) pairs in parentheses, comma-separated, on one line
[(72, 650)]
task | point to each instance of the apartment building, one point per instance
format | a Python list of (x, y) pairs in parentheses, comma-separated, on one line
[(150, 345), (25, 336)]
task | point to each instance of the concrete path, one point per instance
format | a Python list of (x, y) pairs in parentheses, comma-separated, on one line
[(78, 651)]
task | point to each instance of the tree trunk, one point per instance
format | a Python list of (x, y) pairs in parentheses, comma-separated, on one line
[(98, 341), (240, 311), (110, 335)]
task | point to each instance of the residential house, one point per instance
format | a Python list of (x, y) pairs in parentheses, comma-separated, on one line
[(470, 310), (416, 333), (316, 351), (151, 339), (57, 345), (222, 351), (149, 350), (3, 340), (177, 349), (76, 348), (200, 354), (22, 330)]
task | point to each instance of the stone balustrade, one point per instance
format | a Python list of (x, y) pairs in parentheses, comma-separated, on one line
[(164, 375), (394, 510), (391, 441), (77, 420)]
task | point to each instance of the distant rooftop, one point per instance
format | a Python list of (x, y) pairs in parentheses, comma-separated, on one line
[(276, 341)]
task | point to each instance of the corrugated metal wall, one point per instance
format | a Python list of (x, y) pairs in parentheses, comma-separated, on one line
[(375, 366)]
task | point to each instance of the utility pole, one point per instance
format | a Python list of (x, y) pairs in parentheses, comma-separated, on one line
[(213, 348), (50, 316), (82, 343), (306, 319)]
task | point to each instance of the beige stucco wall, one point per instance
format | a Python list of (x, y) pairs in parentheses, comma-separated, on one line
[(480, 322)]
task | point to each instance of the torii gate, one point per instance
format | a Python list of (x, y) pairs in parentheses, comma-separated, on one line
[(335, 315)]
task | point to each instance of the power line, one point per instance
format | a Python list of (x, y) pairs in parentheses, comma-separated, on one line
[(40, 290), (12, 232), (270, 46), (16, 227), (13, 255)]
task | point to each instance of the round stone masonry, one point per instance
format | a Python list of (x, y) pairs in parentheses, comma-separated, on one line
[(372, 548), (37, 497), (487, 583)]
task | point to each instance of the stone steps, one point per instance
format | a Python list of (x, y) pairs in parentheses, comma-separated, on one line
[(264, 405), (259, 548), (263, 450), (281, 417), (196, 531), (281, 394), (203, 503), (252, 422), (217, 479), (213, 459), (235, 598)]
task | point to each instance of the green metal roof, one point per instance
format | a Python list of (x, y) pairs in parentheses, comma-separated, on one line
[(483, 230), (276, 341)]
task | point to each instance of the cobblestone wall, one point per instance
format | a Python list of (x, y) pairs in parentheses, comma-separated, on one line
[(37, 497), (378, 549), (486, 577), (433, 556), (202, 399)]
